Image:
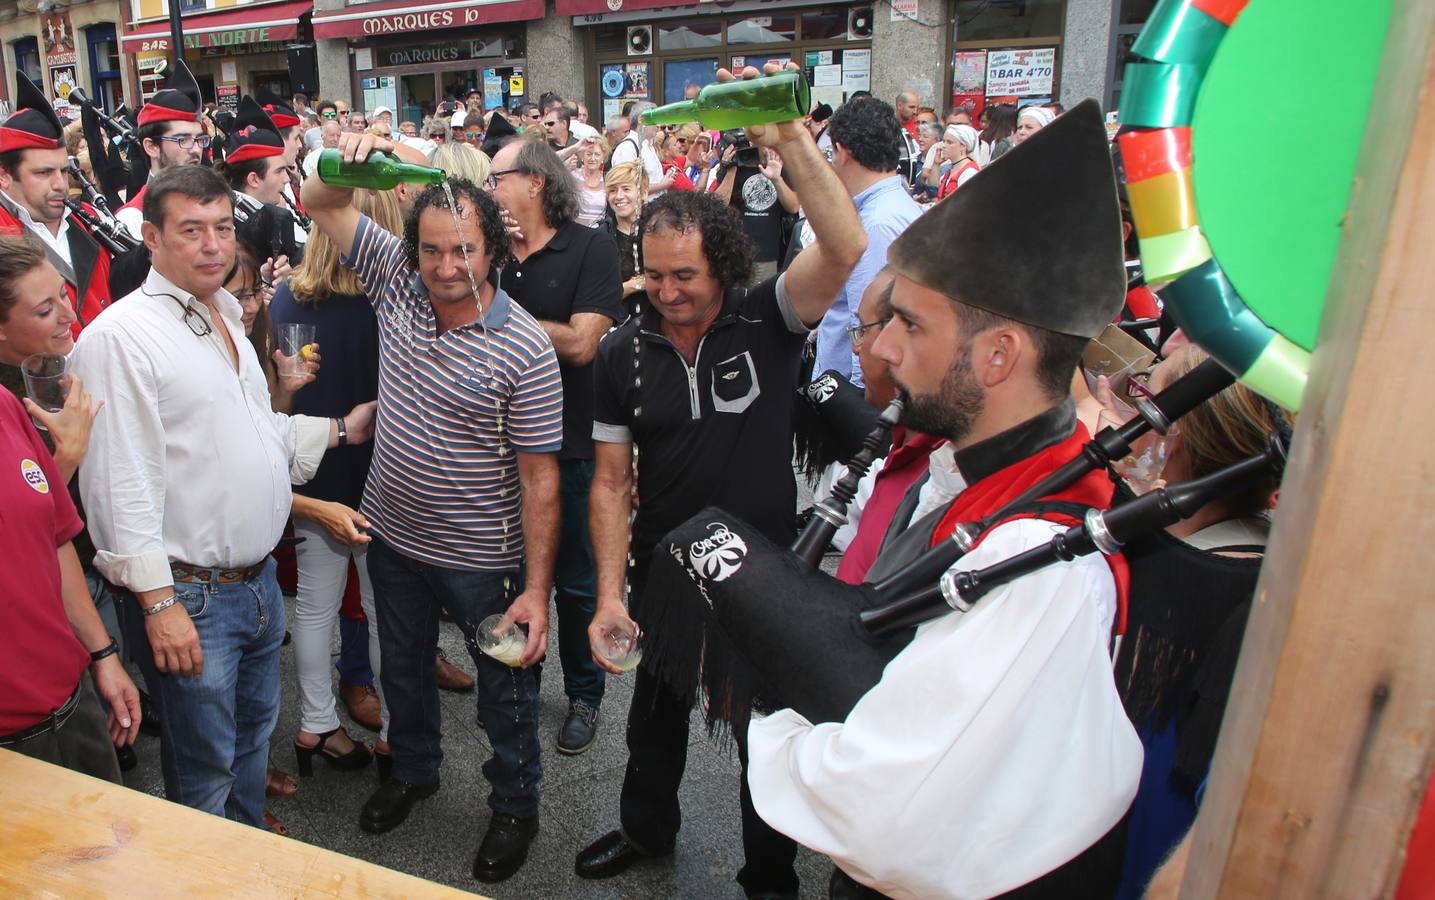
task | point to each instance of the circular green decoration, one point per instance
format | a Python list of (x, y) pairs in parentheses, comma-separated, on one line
[(1277, 131)]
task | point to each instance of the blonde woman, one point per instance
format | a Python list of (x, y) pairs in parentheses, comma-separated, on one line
[(463, 161), (592, 189), (322, 293), (627, 187)]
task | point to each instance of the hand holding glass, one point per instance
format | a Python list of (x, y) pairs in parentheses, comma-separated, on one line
[(503, 639), (620, 645), (294, 339), (47, 380)]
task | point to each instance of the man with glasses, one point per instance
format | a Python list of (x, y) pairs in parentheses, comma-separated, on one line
[(555, 124), (328, 111), (170, 134), (529, 114), (343, 109), (865, 140)]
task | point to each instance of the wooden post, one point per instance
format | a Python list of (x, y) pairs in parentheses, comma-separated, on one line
[(1330, 734)]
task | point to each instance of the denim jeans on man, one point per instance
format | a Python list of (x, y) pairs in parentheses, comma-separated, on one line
[(407, 596), (575, 583), (216, 727)]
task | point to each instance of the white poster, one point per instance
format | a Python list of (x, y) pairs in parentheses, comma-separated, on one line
[(229, 72), (826, 76), (1020, 73), (857, 60), (856, 81), (363, 59)]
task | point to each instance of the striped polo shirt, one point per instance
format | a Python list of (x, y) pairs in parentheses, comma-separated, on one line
[(453, 410)]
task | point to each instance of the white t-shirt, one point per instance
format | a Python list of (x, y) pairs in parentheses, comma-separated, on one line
[(628, 150)]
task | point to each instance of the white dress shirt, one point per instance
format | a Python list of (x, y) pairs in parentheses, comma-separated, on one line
[(994, 748), (188, 462), (59, 241)]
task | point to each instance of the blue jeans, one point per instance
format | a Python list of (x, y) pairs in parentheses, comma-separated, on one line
[(407, 597), (575, 580), (216, 727), (353, 661)]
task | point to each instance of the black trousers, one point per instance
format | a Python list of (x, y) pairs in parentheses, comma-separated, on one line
[(657, 756), (82, 743)]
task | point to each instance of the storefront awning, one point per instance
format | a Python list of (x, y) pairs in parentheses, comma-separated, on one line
[(230, 28), (590, 7), (398, 16)]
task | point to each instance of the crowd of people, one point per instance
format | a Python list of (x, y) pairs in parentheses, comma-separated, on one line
[(516, 384)]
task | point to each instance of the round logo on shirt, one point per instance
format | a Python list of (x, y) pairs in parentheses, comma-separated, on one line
[(759, 193), (34, 476)]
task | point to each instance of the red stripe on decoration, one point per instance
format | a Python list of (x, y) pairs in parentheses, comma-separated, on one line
[(151, 113), (1224, 11), (15, 139), (1147, 154)]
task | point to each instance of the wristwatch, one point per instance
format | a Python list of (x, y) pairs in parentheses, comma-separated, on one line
[(343, 432)]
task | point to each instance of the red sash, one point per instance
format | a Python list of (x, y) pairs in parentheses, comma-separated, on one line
[(990, 494)]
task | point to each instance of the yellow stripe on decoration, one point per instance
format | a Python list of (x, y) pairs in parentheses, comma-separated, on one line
[(1164, 203), (1166, 256)]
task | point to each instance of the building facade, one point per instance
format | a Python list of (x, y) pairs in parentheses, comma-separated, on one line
[(411, 55)]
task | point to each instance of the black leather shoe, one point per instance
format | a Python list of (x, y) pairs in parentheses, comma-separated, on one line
[(149, 716), (127, 758), (390, 804), (504, 847), (612, 854), (579, 729)]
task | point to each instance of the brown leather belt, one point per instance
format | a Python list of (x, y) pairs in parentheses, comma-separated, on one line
[(187, 574)]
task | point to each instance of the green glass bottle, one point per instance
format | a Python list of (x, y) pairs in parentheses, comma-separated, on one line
[(380, 172), (738, 104)]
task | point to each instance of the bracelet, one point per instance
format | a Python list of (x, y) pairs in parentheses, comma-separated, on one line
[(162, 605), (109, 649), (343, 432)]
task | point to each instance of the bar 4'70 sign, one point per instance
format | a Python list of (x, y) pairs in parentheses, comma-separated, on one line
[(1021, 73)]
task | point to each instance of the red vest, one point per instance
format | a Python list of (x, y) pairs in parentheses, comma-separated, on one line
[(91, 263), (137, 201)]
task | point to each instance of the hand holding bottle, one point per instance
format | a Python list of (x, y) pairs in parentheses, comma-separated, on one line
[(777, 133), (357, 147)]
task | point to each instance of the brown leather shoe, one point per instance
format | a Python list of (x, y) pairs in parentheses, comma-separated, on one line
[(363, 704), (451, 677)]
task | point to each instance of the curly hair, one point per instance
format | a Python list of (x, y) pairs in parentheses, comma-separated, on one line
[(496, 242), (726, 245), (869, 130)]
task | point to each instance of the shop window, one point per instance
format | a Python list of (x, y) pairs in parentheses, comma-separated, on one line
[(762, 30), (678, 74), (1005, 20), (690, 35), (105, 74), (824, 25), (27, 60)]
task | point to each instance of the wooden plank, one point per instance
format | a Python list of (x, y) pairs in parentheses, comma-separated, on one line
[(1330, 733), (63, 834)]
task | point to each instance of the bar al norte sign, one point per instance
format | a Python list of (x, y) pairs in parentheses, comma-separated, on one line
[(239, 37), (1021, 73)]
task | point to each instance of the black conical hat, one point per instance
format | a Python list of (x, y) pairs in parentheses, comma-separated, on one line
[(180, 101), (499, 129), (34, 125), (1035, 236), (278, 108), (253, 134)]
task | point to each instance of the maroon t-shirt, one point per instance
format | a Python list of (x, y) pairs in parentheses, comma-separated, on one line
[(41, 659)]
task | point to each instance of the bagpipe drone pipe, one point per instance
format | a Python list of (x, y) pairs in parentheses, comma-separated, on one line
[(758, 625)]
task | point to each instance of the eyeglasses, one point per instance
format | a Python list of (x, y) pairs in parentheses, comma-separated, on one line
[(491, 181), (329, 115), (553, 124), (187, 141), (858, 333), (473, 135)]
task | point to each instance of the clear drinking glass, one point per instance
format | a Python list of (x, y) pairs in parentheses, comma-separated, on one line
[(294, 339), (47, 380), (621, 645), (502, 638)]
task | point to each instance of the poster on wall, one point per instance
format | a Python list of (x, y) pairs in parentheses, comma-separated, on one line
[(62, 81), (635, 77), (969, 71), (1021, 73), (492, 89), (228, 96), (611, 108), (58, 38), (903, 9)]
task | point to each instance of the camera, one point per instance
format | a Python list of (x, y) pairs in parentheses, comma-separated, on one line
[(746, 154)]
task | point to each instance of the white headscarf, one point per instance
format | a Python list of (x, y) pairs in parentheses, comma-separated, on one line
[(1042, 115), (964, 133)]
